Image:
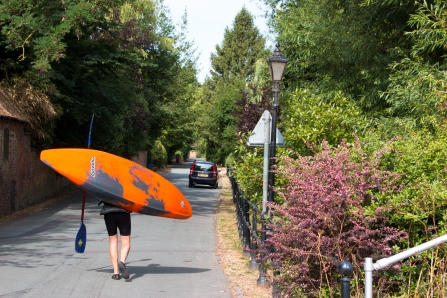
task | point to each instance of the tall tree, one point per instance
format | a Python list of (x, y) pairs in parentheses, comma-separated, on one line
[(233, 64), (103, 72), (242, 46)]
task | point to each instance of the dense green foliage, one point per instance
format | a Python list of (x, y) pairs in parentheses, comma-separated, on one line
[(312, 118), (374, 70), (219, 128), (158, 155), (233, 65), (241, 47), (123, 61)]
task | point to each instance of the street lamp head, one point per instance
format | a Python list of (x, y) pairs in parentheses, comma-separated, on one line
[(277, 64)]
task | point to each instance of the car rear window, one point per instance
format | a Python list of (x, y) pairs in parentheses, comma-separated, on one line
[(208, 167)]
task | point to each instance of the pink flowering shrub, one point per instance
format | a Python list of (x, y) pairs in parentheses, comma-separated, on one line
[(329, 215)]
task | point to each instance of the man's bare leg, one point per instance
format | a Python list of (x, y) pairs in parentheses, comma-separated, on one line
[(113, 250), (125, 248)]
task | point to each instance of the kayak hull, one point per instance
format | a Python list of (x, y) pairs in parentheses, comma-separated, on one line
[(119, 181)]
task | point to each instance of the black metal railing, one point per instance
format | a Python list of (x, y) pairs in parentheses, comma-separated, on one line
[(251, 225)]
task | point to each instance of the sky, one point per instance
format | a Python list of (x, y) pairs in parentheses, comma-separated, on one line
[(207, 20)]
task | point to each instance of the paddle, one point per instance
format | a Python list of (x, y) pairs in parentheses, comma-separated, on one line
[(81, 237)]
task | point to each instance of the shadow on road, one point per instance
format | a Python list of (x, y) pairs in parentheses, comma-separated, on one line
[(140, 271)]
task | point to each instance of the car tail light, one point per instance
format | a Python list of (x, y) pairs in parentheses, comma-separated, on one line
[(192, 169), (214, 171)]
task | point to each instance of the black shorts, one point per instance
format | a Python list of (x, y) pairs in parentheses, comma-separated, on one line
[(117, 220)]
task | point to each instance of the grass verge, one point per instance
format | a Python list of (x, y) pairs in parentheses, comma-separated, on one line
[(233, 262)]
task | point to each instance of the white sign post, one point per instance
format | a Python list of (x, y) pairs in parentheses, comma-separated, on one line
[(261, 137)]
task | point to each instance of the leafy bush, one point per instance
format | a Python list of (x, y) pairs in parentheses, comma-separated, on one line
[(310, 118), (230, 159), (248, 169), (420, 209), (328, 216), (158, 155)]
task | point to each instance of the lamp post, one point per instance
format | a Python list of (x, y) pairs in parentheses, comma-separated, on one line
[(277, 64)]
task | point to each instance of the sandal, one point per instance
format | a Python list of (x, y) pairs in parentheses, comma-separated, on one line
[(123, 270), (116, 277)]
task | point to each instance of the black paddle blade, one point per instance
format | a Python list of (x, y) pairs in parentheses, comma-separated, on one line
[(81, 239)]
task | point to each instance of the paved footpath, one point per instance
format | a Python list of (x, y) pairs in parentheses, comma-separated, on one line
[(168, 258)]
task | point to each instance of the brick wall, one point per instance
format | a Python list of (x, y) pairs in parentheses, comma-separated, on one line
[(141, 158), (24, 179)]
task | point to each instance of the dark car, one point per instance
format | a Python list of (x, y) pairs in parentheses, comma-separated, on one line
[(203, 172)]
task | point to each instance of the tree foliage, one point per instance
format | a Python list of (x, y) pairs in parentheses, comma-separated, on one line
[(123, 61), (247, 161), (250, 107), (309, 119), (341, 45), (417, 86), (218, 122), (233, 64), (241, 47), (37, 30)]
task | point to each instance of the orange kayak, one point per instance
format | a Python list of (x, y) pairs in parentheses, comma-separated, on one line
[(119, 181)]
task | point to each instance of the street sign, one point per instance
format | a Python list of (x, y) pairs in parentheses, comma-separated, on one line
[(257, 137)]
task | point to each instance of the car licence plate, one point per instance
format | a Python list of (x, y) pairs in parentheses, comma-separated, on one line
[(202, 175)]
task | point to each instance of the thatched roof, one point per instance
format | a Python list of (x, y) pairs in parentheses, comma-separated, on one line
[(8, 107), (25, 103)]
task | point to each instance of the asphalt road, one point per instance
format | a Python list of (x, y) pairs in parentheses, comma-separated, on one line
[(168, 258)]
